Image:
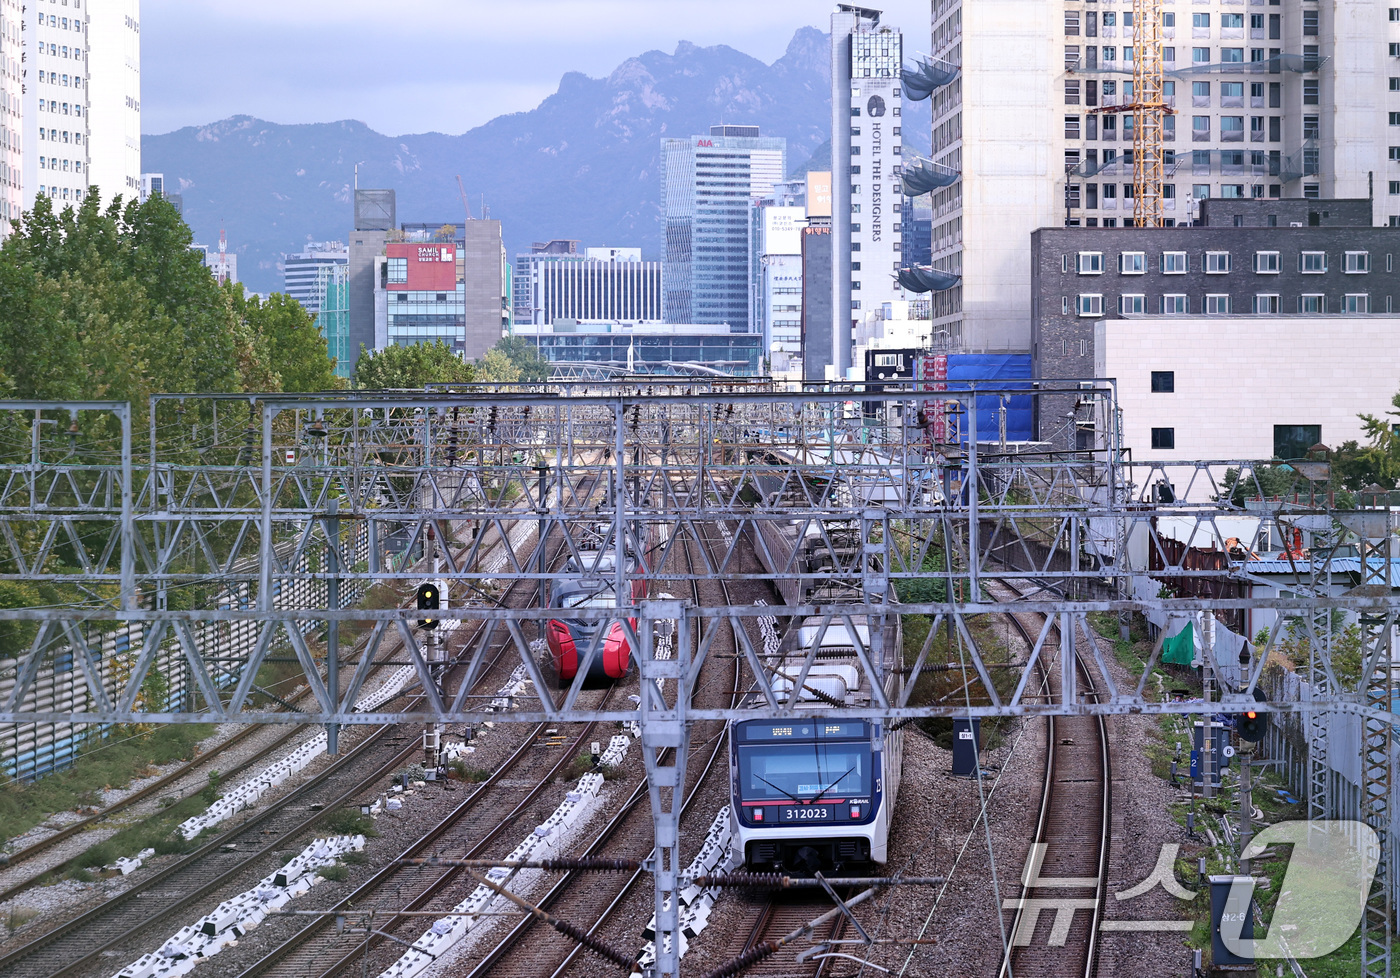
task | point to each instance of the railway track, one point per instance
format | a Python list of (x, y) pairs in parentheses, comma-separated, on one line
[(193, 766), (1072, 834), (594, 896), (112, 930), (780, 914)]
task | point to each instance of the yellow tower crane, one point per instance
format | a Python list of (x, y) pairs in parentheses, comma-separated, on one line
[(1148, 109)]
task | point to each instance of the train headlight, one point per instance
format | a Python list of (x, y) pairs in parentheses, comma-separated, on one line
[(757, 814), (855, 811)]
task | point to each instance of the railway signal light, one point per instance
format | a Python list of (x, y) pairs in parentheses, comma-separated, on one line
[(1251, 724), (428, 600)]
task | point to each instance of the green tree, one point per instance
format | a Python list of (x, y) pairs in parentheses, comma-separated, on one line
[(1382, 455), (522, 353), (406, 367), (294, 349), (496, 367)]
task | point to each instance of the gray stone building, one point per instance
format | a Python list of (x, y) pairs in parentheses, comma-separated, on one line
[(1279, 258)]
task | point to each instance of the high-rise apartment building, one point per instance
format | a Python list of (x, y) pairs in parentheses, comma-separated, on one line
[(866, 150), (707, 183), (1271, 98), (301, 273), (82, 100), (11, 114), (601, 284), (114, 95)]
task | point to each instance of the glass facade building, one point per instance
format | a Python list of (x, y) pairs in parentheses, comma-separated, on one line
[(333, 315), (707, 185)]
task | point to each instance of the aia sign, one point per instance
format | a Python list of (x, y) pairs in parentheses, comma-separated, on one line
[(705, 142)]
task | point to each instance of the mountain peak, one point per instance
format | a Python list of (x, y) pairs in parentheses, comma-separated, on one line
[(583, 164)]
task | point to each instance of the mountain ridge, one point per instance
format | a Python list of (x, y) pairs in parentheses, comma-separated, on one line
[(583, 164)]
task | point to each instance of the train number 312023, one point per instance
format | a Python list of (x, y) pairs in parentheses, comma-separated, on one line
[(805, 814)]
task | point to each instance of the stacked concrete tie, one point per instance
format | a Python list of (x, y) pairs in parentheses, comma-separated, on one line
[(768, 627), (716, 855), (127, 866), (233, 918), (549, 839), (246, 795)]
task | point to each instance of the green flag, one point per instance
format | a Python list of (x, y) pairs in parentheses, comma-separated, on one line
[(1180, 649)]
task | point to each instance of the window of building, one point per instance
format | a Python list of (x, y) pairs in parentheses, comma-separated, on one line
[(1312, 303), (1265, 303), (1131, 304), (1071, 93), (1310, 91), (1200, 89), (1164, 438), (1200, 55), (1071, 56), (1310, 23), (1217, 305), (1091, 263), (398, 271), (1356, 302), (1217, 262), (1168, 19), (1071, 127), (1064, 305), (1200, 126), (1090, 304), (1164, 382), (1234, 90), (1394, 14), (1176, 304), (1312, 262), (1175, 263), (1200, 20), (1266, 262), (1357, 262), (1132, 262), (1292, 441), (1235, 21), (1394, 50), (1395, 84), (1232, 55), (1072, 22)]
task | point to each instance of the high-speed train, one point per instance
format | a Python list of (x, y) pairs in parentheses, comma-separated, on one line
[(589, 581), (809, 794)]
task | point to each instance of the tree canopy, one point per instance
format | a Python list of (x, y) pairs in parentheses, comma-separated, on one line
[(111, 304), (405, 367)]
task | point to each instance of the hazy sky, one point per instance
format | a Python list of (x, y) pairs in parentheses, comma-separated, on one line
[(408, 66)]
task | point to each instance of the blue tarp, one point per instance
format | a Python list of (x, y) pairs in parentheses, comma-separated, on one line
[(998, 370)]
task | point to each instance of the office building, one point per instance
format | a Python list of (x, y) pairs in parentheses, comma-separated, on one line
[(1271, 386), (153, 184), (435, 281), (114, 96), (635, 348), (332, 301), (866, 150), (375, 218), (12, 58), (818, 317), (1287, 99), (301, 273), (777, 290), (600, 284), (707, 183), (522, 298)]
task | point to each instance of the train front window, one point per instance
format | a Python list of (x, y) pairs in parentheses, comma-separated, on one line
[(803, 772)]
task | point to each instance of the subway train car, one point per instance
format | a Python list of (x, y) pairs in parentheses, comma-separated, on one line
[(809, 794)]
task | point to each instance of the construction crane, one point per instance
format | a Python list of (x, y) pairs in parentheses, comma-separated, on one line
[(1148, 110), (463, 191)]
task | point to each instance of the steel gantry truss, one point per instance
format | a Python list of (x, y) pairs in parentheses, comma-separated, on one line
[(269, 514)]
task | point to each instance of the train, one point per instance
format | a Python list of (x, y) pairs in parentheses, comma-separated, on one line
[(588, 580), (809, 794)]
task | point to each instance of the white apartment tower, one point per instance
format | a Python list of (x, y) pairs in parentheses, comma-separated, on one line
[(866, 147), (1271, 98), (82, 100), (11, 114)]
